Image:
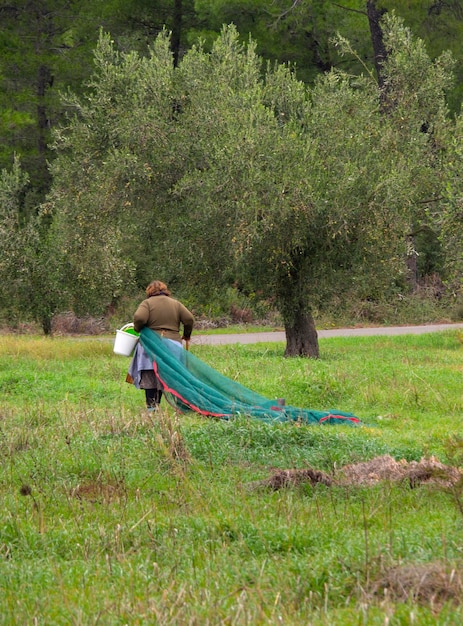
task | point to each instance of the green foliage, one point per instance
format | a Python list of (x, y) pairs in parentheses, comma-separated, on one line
[(440, 26), (450, 218), (224, 169), (32, 282), (103, 209), (423, 85), (310, 184), (47, 48), (39, 57), (298, 35), (15, 239), (302, 33)]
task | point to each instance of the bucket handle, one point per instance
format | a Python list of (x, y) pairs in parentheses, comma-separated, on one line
[(127, 326)]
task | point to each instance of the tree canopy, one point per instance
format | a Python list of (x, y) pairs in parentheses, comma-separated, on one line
[(224, 168), (47, 47)]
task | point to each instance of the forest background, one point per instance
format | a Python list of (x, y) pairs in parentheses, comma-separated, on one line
[(301, 157)]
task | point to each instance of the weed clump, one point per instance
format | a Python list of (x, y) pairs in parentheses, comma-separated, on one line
[(385, 468), (103, 490), (381, 468), (431, 584), (293, 477)]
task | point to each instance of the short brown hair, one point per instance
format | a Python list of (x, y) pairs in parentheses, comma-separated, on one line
[(157, 287)]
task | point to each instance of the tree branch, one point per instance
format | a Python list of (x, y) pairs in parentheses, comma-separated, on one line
[(285, 13), (341, 6)]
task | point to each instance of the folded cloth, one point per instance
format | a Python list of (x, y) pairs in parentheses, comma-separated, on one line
[(141, 362)]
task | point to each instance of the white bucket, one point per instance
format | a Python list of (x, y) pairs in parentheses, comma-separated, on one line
[(125, 342)]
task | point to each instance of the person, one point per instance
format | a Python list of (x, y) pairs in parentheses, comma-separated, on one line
[(165, 315)]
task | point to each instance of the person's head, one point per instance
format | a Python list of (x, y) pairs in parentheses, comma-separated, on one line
[(157, 287)]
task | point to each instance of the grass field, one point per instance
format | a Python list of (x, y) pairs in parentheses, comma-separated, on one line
[(110, 516)]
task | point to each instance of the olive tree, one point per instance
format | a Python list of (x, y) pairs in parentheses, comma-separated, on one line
[(299, 193), (31, 281), (13, 274), (222, 170)]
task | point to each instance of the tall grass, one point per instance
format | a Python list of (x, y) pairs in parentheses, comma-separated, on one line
[(110, 516)]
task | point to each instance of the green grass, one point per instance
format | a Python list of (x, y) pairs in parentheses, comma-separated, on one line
[(108, 516)]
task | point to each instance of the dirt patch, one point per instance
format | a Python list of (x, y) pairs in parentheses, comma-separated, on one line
[(385, 468), (431, 584), (292, 477), (99, 491), (379, 469)]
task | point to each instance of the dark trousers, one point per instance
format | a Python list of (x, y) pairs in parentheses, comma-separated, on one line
[(153, 397)]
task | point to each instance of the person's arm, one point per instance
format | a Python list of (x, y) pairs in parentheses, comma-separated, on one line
[(187, 319), (141, 316)]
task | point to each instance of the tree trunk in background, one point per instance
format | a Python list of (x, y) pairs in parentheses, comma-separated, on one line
[(301, 336), (380, 53), (46, 325), (176, 30)]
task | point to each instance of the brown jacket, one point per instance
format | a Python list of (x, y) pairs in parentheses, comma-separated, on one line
[(164, 315)]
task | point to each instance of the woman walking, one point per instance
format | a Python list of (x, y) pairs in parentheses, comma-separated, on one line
[(165, 315)]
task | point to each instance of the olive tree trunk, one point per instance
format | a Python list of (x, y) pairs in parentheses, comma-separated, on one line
[(301, 336)]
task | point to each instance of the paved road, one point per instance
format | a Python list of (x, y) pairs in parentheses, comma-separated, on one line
[(216, 340)]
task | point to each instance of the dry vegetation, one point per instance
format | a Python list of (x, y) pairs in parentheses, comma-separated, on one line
[(382, 468), (432, 584)]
